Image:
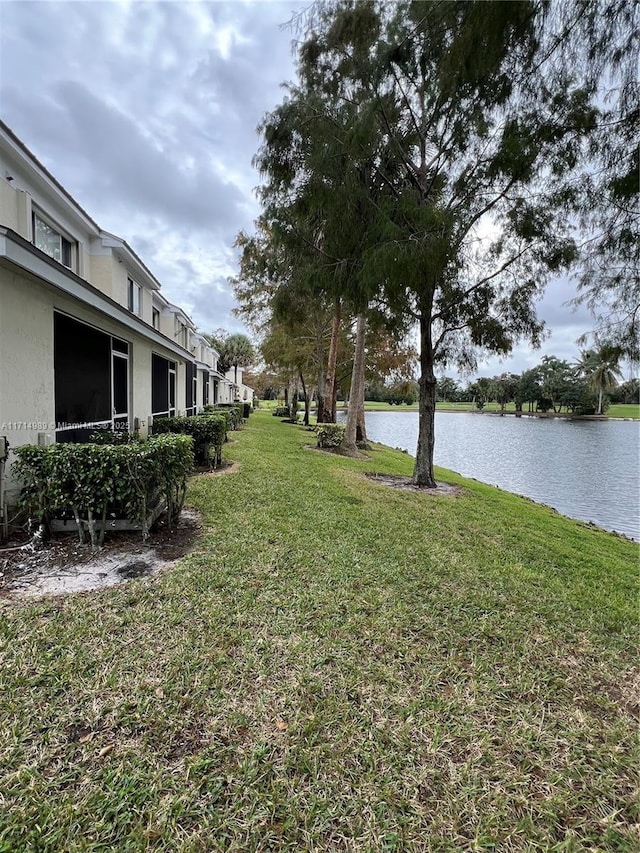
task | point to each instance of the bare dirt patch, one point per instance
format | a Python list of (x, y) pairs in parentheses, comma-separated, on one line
[(223, 468), (65, 566), (395, 481)]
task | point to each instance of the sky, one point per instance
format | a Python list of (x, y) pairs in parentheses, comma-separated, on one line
[(147, 113)]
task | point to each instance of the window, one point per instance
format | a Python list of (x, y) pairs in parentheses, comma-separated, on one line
[(205, 391), (134, 296), (155, 318), (52, 242)]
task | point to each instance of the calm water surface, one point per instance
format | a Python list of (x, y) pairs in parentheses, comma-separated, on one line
[(585, 469)]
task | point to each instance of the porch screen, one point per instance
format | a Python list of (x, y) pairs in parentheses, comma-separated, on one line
[(82, 369), (91, 380), (163, 387), (191, 388)]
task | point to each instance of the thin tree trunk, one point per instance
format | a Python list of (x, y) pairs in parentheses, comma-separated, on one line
[(330, 400), (293, 397), (307, 401), (600, 401), (104, 525), (320, 394), (423, 474), (361, 427), (356, 395)]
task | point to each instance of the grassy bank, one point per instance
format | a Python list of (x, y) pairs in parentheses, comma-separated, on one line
[(618, 410), (337, 666)]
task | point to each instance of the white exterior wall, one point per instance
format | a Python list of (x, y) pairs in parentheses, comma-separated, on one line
[(33, 288), (27, 388), (26, 360)]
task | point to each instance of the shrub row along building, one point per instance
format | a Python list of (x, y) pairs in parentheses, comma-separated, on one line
[(87, 340)]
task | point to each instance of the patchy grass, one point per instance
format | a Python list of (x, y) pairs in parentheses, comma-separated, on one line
[(338, 666)]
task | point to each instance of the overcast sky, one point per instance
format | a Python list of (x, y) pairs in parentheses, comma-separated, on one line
[(146, 112)]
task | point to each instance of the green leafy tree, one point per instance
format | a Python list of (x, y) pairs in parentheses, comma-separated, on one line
[(447, 389), (529, 389), (556, 377), (504, 389), (455, 134), (600, 42), (480, 392), (627, 392)]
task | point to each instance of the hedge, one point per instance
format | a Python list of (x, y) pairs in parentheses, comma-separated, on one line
[(208, 431), (234, 411), (87, 480)]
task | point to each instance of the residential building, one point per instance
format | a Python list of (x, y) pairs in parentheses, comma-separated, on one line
[(87, 340)]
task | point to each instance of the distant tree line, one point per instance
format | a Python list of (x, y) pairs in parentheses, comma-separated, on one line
[(585, 387)]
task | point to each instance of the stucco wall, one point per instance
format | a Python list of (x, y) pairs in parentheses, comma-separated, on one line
[(26, 359), (27, 405), (8, 206)]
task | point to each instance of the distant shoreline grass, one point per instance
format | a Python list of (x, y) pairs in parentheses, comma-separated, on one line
[(336, 666), (628, 411)]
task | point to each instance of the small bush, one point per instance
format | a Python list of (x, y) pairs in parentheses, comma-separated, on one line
[(235, 411), (246, 410), (208, 431), (281, 412), (330, 435)]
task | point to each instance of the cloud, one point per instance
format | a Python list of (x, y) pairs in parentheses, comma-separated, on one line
[(147, 114)]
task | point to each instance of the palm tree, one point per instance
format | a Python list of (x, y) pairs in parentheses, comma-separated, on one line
[(239, 352), (601, 367)]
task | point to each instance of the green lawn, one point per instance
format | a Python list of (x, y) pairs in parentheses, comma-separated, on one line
[(614, 411), (336, 667), (620, 410)]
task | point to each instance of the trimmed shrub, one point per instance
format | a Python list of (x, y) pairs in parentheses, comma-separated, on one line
[(281, 412), (246, 410), (87, 481), (330, 435), (235, 409), (114, 436), (208, 431), (227, 414)]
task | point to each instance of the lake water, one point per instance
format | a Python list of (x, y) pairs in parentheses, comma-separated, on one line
[(585, 469)]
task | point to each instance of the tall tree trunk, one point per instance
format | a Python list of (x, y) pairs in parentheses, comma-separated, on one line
[(361, 427), (320, 396), (293, 400), (356, 395), (330, 400), (423, 471), (600, 401)]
